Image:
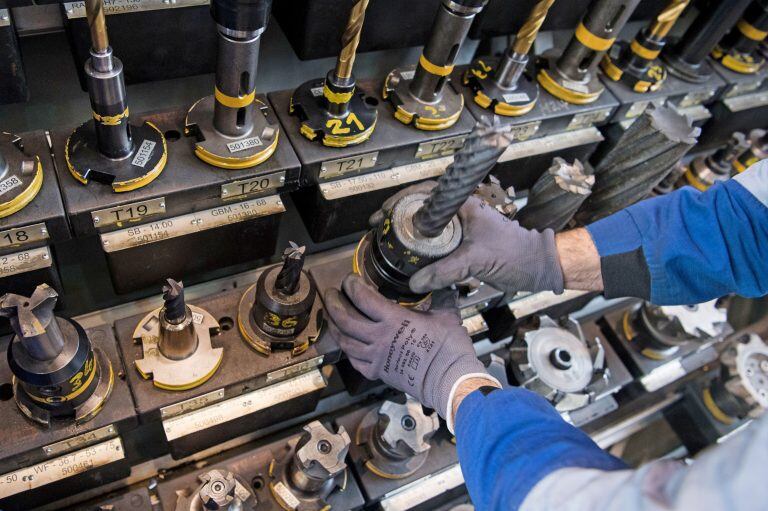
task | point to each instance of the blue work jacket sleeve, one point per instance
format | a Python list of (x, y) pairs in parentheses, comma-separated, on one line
[(688, 246)]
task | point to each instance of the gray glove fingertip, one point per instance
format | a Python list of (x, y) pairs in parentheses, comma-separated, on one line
[(366, 299)]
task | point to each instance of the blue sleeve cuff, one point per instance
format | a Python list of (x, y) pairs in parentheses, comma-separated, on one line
[(511, 439)]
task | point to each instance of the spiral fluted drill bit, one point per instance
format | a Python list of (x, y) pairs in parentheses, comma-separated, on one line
[(644, 155), (470, 165), (350, 39), (287, 281), (94, 13), (505, 87), (557, 195), (705, 171), (636, 63), (173, 296)]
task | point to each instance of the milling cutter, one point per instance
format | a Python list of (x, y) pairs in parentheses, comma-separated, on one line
[(176, 342), (109, 149), (556, 362), (229, 127), (741, 390), (311, 468), (658, 332), (758, 150), (21, 174), (503, 85), (280, 311), (687, 58), (705, 171), (58, 374), (332, 111), (396, 438), (636, 64), (572, 75), (421, 228), (422, 96), (738, 49), (218, 490)]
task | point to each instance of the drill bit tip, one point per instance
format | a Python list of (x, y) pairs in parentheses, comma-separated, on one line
[(173, 296), (29, 316), (289, 278)]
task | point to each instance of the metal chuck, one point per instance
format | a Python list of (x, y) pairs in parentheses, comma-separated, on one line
[(705, 171), (636, 64), (331, 110), (21, 174), (687, 59), (396, 438), (669, 183), (758, 150), (572, 76), (741, 390), (648, 151), (421, 228), (280, 312), (503, 85), (557, 363), (109, 149), (738, 51), (219, 490), (59, 374), (311, 469), (176, 342), (422, 96), (557, 195), (229, 127), (658, 332)]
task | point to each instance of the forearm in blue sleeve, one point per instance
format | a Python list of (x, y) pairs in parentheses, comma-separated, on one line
[(509, 440), (689, 247)]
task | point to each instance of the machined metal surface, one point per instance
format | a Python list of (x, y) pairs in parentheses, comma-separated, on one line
[(218, 490), (21, 174), (758, 150), (705, 171), (557, 195)]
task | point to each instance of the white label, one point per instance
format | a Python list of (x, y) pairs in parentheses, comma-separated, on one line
[(747, 101), (524, 131), (578, 87), (23, 235), (531, 303), (242, 145), (77, 9), (743, 88), (669, 372), (27, 260), (301, 367), (8, 184), (80, 441), (385, 178), (197, 318), (316, 91), (408, 75), (191, 223), (475, 324), (245, 404), (550, 143), (516, 97), (144, 153), (285, 494), (588, 119), (418, 492), (128, 212), (60, 468), (194, 403)]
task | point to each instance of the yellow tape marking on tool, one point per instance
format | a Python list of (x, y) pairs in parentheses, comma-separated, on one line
[(111, 120), (751, 32), (234, 102), (592, 41), (433, 68)]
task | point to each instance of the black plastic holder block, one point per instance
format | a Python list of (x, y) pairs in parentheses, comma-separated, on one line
[(247, 392), (250, 464), (552, 128), (653, 374), (342, 187), (441, 469), (13, 81), (40, 465), (185, 46), (28, 237), (192, 219)]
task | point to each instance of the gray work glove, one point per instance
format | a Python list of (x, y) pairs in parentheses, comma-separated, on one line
[(423, 354)]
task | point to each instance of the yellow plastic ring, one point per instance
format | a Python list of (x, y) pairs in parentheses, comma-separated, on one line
[(338, 98), (751, 32), (592, 41), (641, 51), (434, 68), (232, 101)]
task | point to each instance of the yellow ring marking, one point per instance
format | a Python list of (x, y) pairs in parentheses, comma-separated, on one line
[(434, 68), (111, 120), (694, 181), (652, 354), (338, 98), (629, 333), (560, 92), (307, 132), (72, 395), (642, 51), (342, 141), (225, 162), (232, 101), (502, 108), (187, 386), (740, 66), (751, 32), (715, 410), (592, 41), (26, 196), (610, 69), (373, 468), (110, 385), (642, 86)]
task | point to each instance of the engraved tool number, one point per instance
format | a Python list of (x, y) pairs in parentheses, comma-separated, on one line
[(441, 146), (337, 126), (14, 237), (130, 212), (11, 263), (254, 186), (350, 165), (277, 322)]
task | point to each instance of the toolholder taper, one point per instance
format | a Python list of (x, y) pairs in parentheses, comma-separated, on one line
[(704, 171), (738, 49), (21, 174)]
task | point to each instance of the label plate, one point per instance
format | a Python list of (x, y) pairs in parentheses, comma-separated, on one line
[(550, 143), (524, 131), (77, 9), (747, 101), (535, 302), (192, 404), (384, 179), (667, 373), (301, 367), (442, 147), (337, 168), (288, 497), (5, 18), (636, 109), (587, 119), (143, 153), (23, 235), (60, 468), (234, 408), (9, 183), (80, 441), (253, 186), (187, 224), (516, 97), (242, 145), (24, 261), (418, 492), (695, 98), (127, 213)]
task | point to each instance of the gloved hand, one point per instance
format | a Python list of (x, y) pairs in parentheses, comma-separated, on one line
[(420, 353)]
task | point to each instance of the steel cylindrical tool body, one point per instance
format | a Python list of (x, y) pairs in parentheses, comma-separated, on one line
[(237, 62), (750, 30), (178, 339), (283, 314)]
